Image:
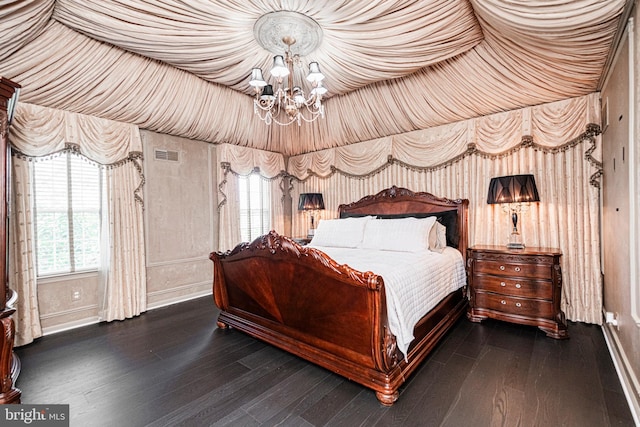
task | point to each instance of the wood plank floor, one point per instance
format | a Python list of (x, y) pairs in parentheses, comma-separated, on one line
[(173, 367)]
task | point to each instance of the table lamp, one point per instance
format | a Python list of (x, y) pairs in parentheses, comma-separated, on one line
[(310, 202), (514, 192)]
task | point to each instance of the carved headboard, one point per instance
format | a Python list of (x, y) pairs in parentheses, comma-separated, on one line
[(396, 202)]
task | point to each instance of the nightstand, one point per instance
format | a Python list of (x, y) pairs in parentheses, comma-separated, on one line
[(517, 285)]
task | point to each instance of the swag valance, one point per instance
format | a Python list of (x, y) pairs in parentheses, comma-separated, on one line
[(40, 131), (547, 124), (244, 161)]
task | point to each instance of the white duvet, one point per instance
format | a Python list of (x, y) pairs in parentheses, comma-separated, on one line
[(415, 282)]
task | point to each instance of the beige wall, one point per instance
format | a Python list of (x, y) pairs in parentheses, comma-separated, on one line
[(181, 224), (68, 301), (620, 222), (180, 218)]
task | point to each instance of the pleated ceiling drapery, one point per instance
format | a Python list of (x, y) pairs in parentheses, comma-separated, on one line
[(44, 132), (549, 141), (391, 67)]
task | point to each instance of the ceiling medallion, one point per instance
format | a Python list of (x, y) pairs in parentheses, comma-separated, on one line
[(271, 27)]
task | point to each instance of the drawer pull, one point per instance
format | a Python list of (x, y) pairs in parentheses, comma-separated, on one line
[(517, 269), (503, 284), (518, 285), (502, 267), (518, 304), (503, 302)]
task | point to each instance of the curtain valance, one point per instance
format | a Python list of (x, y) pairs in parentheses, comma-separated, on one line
[(550, 125), (244, 160), (40, 131)]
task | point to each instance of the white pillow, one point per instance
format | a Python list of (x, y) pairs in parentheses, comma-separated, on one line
[(340, 233), (438, 237), (401, 234)]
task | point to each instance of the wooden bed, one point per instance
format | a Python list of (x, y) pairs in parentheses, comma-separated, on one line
[(299, 299)]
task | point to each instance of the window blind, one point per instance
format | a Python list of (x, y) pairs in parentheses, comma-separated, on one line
[(67, 196), (255, 206)]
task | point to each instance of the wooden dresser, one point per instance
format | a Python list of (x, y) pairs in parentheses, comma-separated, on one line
[(517, 285), (9, 362)]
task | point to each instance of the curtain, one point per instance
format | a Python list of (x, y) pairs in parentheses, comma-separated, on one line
[(22, 266), (124, 241), (39, 132), (555, 142), (236, 161)]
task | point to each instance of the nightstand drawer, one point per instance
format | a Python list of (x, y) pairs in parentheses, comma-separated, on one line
[(515, 287), (500, 268), (517, 306)]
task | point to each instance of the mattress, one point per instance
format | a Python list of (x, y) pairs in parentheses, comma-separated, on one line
[(415, 282)]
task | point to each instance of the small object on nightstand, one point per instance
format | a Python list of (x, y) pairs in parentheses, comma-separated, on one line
[(517, 285)]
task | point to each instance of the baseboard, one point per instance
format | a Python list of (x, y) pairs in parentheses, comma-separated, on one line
[(180, 298), (70, 325), (62, 327), (628, 379)]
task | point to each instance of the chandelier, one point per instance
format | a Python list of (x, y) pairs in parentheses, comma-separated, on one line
[(285, 102)]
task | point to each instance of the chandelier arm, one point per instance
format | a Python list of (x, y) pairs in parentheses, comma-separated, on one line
[(315, 110), (311, 101)]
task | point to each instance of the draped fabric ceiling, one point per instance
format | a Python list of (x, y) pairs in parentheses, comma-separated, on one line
[(391, 66)]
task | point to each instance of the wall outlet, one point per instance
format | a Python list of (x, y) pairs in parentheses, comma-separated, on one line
[(612, 319), (75, 296)]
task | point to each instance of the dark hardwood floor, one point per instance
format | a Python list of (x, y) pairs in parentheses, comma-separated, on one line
[(173, 367)]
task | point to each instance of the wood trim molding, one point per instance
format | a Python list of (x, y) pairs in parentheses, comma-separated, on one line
[(628, 379)]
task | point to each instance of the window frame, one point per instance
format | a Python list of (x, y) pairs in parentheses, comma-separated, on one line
[(263, 212), (69, 157)]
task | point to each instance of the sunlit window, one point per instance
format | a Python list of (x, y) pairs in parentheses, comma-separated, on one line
[(255, 202), (67, 196)]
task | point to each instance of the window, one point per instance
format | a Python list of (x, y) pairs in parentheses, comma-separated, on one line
[(255, 210), (67, 198)]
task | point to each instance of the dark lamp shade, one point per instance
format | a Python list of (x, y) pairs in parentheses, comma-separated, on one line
[(513, 189), (267, 90), (310, 202)]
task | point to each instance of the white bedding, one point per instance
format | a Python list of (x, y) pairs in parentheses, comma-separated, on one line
[(415, 282)]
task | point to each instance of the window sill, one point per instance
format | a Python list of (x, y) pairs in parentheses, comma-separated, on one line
[(64, 277)]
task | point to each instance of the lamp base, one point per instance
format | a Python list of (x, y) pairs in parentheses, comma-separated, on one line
[(515, 245), (311, 232), (515, 240)]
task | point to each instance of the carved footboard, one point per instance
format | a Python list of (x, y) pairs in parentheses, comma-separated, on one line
[(299, 299)]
